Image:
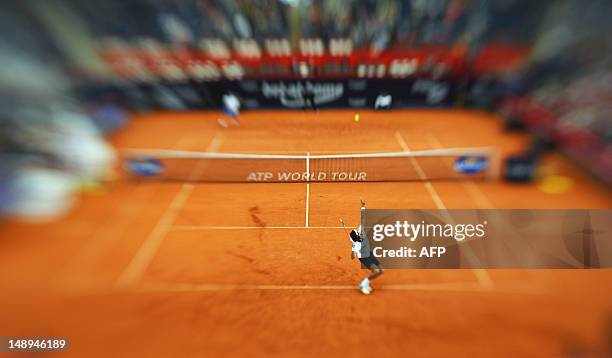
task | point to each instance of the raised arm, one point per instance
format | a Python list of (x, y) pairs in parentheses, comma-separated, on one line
[(362, 225)]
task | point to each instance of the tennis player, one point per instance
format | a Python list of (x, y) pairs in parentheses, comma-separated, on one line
[(231, 108), (361, 250), (308, 97)]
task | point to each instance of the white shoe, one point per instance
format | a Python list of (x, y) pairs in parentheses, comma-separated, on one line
[(365, 289)]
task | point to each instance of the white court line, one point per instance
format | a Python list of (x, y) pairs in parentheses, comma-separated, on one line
[(517, 287), (480, 198), (104, 239), (145, 254), (481, 275), (432, 192), (203, 287), (307, 186), (202, 227)]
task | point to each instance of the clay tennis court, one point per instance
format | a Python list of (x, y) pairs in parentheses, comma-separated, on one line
[(208, 269)]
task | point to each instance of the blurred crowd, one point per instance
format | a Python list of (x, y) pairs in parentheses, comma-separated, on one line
[(379, 24), (562, 91), (57, 58), (50, 146)]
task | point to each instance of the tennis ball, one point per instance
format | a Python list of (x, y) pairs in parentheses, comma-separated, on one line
[(556, 184), (356, 117), (91, 187)]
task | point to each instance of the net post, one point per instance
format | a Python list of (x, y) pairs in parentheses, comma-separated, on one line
[(494, 169)]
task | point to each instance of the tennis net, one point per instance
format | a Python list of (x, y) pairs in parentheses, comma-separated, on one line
[(439, 164)]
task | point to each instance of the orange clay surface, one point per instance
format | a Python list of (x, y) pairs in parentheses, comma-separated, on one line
[(173, 269)]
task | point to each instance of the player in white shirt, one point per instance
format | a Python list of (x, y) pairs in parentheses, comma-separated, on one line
[(231, 108), (361, 250)]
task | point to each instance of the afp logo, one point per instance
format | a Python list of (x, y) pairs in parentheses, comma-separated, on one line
[(146, 167), (471, 164)]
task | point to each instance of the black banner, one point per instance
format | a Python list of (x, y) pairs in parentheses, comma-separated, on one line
[(285, 93)]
